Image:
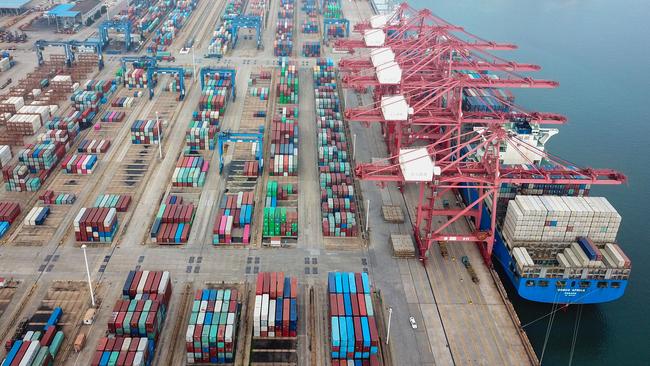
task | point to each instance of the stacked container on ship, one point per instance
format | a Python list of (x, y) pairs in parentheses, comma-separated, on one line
[(555, 244)]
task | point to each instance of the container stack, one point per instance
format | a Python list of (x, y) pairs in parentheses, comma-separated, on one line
[(24, 124), (12, 104), (18, 178), (5, 155), (332, 9), (259, 8), (275, 313), (201, 135), (354, 333), (288, 85), (94, 146), (338, 205), (171, 25), (83, 100), (137, 320), (95, 224), (83, 164), (284, 142), (311, 49), (190, 171), (310, 25), (173, 221), (38, 343), (100, 86), (486, 99), (123, 102), (337, 30), (508, 192), (222, 36), (128, 351), (70, 123), (210, 117), (7, 62), (119, 202), (220, 42), (213, 98), (146, 132), (54, 135), (283, 44), (263, 93), (36, 216), (280, 219), (113, 116), (42, 156), (212, 329), (149, 285), (233, 222), (136, 78), (48, 197), (9, 212), (35, 163)]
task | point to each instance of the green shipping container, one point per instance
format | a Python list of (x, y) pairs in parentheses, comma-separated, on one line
[(57, 341)]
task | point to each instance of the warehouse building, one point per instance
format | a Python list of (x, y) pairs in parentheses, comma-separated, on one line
[(13, 7), (63, 16)]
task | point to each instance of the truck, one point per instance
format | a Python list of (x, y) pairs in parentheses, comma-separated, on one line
[(89, 317), (79, 342), (469, 268)]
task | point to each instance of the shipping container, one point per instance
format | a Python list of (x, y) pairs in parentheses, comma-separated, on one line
[(95, 224)]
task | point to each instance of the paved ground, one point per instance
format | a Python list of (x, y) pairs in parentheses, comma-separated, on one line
[(459, 322)]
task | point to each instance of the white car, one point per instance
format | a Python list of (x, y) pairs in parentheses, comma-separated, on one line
[(413, 323)]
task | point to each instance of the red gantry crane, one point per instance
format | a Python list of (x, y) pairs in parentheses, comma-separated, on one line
[(422, 70)]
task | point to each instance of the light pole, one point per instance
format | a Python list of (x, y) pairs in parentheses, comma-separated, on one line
[(90, 285), (390, 317), (159, 135), (193, 64), (367, 213)]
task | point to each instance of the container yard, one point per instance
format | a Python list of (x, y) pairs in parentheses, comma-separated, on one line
[(240, 154)]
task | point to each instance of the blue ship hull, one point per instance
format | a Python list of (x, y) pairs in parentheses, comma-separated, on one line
[(548, 290)]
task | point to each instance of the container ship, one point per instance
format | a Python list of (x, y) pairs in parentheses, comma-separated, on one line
[(554, 242)]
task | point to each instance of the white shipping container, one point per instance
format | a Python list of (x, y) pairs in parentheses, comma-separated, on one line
[(272, 317), (265, 312), (138, 360), (164, 281), (126, 344), (30, 354), (229, 333), (28, 336), (143, 282)]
